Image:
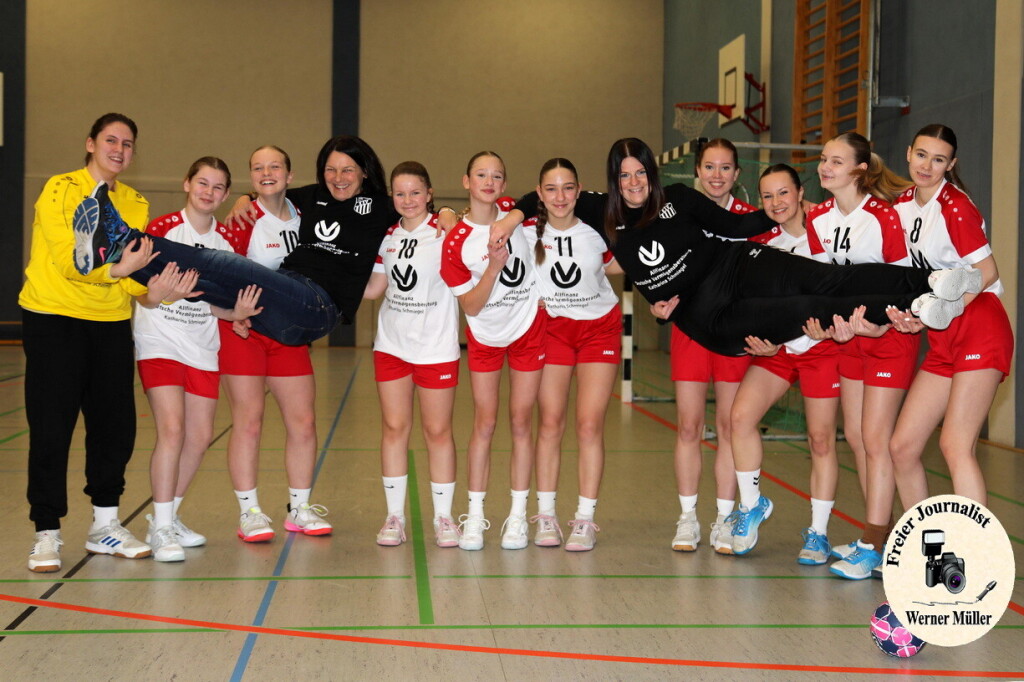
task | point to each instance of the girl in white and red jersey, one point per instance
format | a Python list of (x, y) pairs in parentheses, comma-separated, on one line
[(416, 351), (584, 330), (859, 225), (814, 363), (176, 345), (694, 368), (252, 364), (495, 287), (966, 362)]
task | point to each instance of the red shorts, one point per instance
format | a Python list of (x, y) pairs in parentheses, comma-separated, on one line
[(163, 372), (260, 356), (387, 367), (525, 354), (886, 362), (571, 342), (981, 338), (817, 369), (693, 362)]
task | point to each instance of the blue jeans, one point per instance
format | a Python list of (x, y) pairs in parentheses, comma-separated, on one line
[(296, 310)]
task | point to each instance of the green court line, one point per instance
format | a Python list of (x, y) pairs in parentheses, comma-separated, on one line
[(13, 436), (419, 550), (4, 414), (204, 580), (517, 626)]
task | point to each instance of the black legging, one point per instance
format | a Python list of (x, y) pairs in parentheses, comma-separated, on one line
[(757, 290)]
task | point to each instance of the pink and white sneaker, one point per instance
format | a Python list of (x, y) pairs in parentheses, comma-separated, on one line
[(583, 536), (308, 520), (548, 534), (446, 532), (392, 533)]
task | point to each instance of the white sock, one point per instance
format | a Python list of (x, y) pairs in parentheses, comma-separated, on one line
[(546, 503), (394, 493), (297, 497), (585, 508), (177, 504), (750, 487), (865, 545), (163, 514), (103, 516), (725, 507), (821, 510), (519, 498), (247, 499), (688, 503), (442, 494), (476, 502)]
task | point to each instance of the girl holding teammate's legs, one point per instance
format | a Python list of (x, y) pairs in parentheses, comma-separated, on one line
[(176, 343), (495, 287), (253, 363), (694, 368), (583, 336), (814, 363), (416, 351), (965, 364)]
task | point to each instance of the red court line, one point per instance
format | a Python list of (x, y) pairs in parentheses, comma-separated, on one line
[(503, 651)]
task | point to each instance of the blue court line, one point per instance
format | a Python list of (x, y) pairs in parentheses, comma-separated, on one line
[(250, 641)]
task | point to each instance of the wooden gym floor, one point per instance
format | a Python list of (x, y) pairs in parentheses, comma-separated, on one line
[(341, 607)]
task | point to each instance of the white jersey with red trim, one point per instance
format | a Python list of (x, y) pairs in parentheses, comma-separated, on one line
[(871, 233), (572, 280), (512, 304), (268, 240), (419, 318), (184, 331), (948, 231), (734, 206)]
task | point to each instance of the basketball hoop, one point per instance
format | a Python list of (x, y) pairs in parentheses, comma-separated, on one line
[(691, 117)]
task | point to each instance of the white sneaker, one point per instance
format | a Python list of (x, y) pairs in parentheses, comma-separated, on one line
[(935, 312), (843, 551), (164, 542), (392, 533), (687, 533), (308, 519), (186, 536), (45, 554), (953, 283), (721, 535), (513, 532), (254, 526), (583, 536), (472, 528), (118, 541), (446, 533), (549, 533)]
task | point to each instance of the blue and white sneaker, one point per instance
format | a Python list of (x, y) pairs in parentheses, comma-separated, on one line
[(88, 239), (745, 522), (858, 565), (843, 551), (815, 550), (117, 540)]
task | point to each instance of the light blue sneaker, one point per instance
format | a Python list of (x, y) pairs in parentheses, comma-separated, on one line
[(843, 551), (858, 565), (815, 550), (745, 523)]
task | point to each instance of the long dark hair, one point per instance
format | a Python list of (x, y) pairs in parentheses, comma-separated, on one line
[(542, 209), (782, 168), (946, 134), (615, 208), (362, 154), (105, 120)]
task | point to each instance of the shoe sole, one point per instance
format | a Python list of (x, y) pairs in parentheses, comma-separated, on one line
[(44, 568), (941, 313), (292, 528), (174, 558), (685, 548), (259, 537), (726, 551), (552, 542), (86, 221), (754, 530), (511, 546), (447, 544), (955, 284), (191, 543), (100, 549), (471, 548), (578, 548), (811, 562), (388, 543), (833, 569)]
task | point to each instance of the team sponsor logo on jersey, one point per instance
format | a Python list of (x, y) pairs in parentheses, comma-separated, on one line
[(607, 352), (754, 253), (513, 274), (667, 211), (972, 356), (325, 232), (653, 255), (405, 281), (566, 278), (442, 378), (884, 375), (363, 205)]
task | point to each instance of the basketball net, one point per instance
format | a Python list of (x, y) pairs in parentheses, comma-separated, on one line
[(692, 117)]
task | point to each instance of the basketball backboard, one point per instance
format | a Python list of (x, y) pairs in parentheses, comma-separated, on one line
[(732, 87)]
